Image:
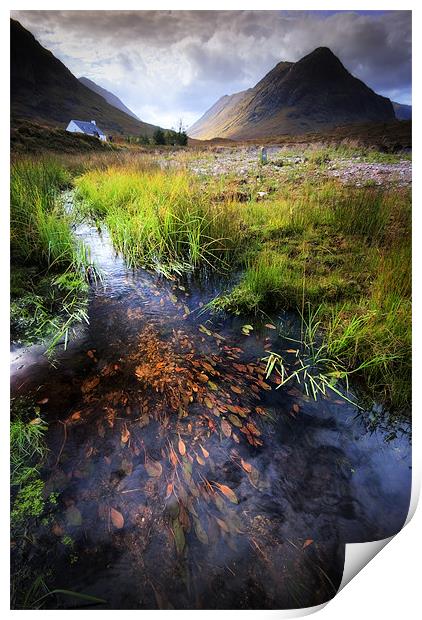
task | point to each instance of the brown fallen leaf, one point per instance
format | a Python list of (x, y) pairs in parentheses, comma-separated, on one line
[(246, 466), (117, 518), (154, 468), (236, 389), (200, 460), (222, 524), (125, 434), (36, 421), (270, 326), (307, 542), (182, 447), (252, 429), (89, 384), (264, 385), (43, 401), (225, 490), (240, 367), (291, 350), (205, 452), (296, 408), (226, 428), (173, 457), (235, 420)]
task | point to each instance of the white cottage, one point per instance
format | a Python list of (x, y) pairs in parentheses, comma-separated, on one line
[(90, 128)]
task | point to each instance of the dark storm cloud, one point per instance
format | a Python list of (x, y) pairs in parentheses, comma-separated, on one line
[(171, 64)]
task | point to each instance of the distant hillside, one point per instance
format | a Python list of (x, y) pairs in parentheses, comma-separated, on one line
[(45, 91), (402, 111), (108, 96), (313, 94)]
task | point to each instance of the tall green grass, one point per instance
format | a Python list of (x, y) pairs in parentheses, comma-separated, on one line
[(161, 219), (40, 229), (347, 250), (47, 263)]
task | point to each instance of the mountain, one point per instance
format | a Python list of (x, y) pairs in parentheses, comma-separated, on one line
[(313, 94), (45, 91), (107, 95), (402, 111)]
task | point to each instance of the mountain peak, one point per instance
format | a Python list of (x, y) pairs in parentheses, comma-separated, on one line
[(322, 59), (314, 93), (322, 52)]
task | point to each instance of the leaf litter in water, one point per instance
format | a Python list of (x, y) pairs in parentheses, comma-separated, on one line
[(182, 447), (227, 492), (117, 518), (246, 466), (204, 452), (200, 532), (125, 434), (235, 420), (200, 460), (223, 525), (226, 428), (154, 468)]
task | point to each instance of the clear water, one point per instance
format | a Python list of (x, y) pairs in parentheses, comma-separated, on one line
[(151, 522)]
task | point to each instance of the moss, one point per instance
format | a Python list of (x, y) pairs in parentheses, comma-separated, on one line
[(29, 502)]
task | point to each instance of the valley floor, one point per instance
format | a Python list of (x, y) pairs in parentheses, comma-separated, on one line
[(285, 164)]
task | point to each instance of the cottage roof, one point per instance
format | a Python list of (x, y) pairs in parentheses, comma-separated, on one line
[(89, 128)]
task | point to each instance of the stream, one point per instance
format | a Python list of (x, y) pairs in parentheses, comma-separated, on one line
[(185, 479)]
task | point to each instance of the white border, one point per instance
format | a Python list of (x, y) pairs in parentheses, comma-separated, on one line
[(388, 586)]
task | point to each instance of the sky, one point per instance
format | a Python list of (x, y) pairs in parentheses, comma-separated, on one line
[(172, 65)]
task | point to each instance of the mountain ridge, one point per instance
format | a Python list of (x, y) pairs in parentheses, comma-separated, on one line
[(110, 97), (403, 111), (44, 90), (311, 94)]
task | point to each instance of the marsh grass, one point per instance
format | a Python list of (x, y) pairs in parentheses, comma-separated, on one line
[(313, 368), (28, 450), (161, 220), (48, 265), (347, 250)]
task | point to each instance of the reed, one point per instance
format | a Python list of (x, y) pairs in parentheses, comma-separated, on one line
[(162, 220)]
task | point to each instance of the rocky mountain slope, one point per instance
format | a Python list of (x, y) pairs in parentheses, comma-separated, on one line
[(402, 111), (44, 90), (313, 94), (108, 96)]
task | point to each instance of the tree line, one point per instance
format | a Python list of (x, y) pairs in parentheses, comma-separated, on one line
[(160, 136)]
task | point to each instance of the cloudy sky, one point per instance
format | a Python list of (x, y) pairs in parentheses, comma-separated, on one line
[(167, 65)]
